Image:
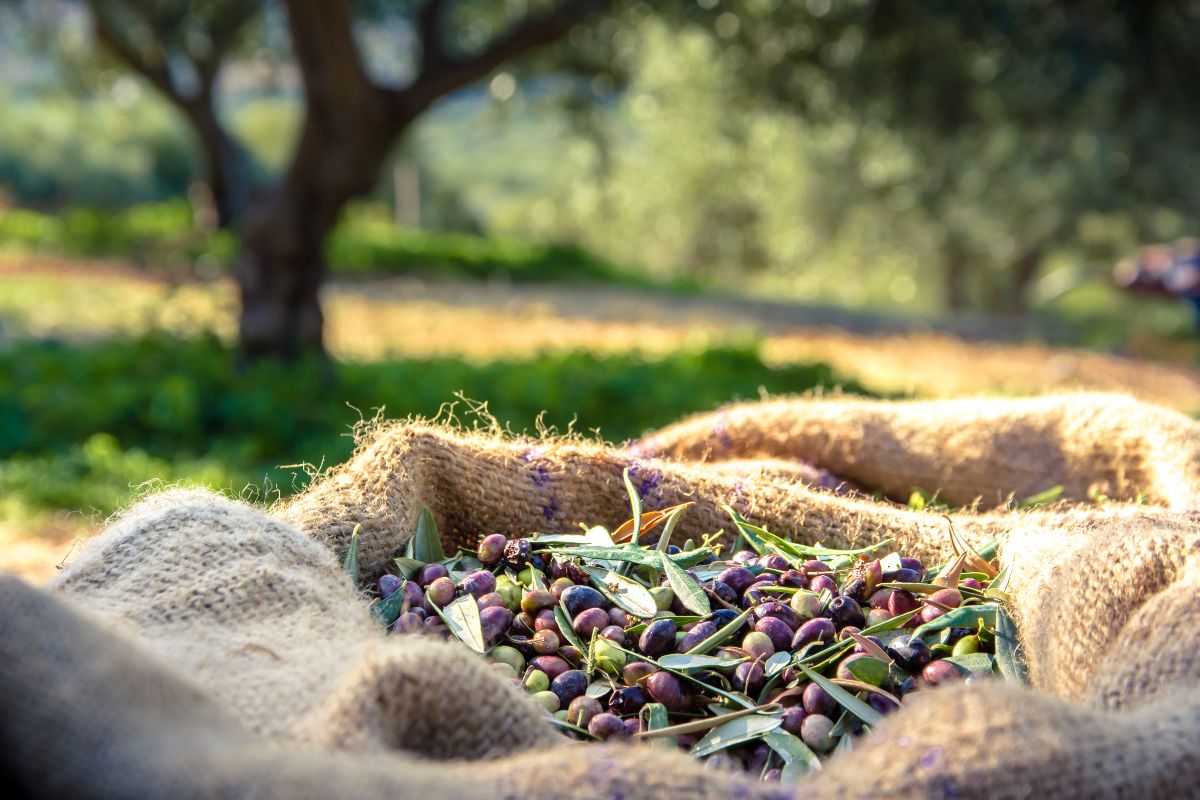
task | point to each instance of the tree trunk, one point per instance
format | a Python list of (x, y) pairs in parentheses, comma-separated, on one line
[(283, 254), (1024, 271), (954, 275), (225, 166)]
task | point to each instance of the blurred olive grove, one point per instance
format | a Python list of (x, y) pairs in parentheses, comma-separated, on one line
[(930, 160)]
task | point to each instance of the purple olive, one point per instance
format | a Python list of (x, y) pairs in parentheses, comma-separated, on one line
[(929, 614), (636, 672), (901, 602), (553, 666), (780, 611), (904, 576), (589, 620), (430, 573), (914, 564), (880, 703), (754, 596), (658, 638), (434, 624), (793, 718), (970, 583), (858, 648), (817, 733), (724, 592), (880, 597), (910, 653), (618, 617), (744, 557), (582, 710), (815, 630), (699, 632), (748, 677), (845, 611), (633, 725), (408, 622), (478, 583), (822, 583), (666, 689), (413, 595), (569, 685), (774, 561), (517, 553), (607, 726), (439, 593), (794, 579), (545, 620), (492, 599), (614, 633), (494, 622), (815, 566), (778, 631), (389, 585), (545, 642), (629, 700), (947, 597), (937, 673), (559, 586), (491, 549), (576, 599), (736, 578), (818, 701)]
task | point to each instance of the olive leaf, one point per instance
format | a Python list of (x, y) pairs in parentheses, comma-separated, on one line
[(685, 587), (655, 718), (635, 506), (634, 555), (425, 545), (873, 671), (721, 635), (408, 567), (564, 624), (734, 732), (387, 610), (973, 662), (777, 663), (1010, 653), (462, 618), (678, 619), (675, 513), (846, 700), (798, 759), (962, 617), (685, 661), (624, 592), (350, 564)]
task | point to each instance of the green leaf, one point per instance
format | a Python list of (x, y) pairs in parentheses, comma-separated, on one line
[(561, 723), (626, 593), (564, 624), (635, 555), (721, 635), (777, 663), (999, 584), (598, 689), (656, 718), (462, 618), (869, 670), (846, 700), (1010, 653), (426, 545), (685, 661), (798, 759), (408, 567), (736, 731), (679, 620), (351, 562), (685, 587), (962, 617), (973, 662), (597, 535), (635, 507), (387, 610), (1041, 498)]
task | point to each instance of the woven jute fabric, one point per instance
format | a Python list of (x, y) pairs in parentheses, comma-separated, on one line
[(201, 647)]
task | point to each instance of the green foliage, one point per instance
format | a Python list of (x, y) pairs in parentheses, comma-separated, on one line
[(185, 409)]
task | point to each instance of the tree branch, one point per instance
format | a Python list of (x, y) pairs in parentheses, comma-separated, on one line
[(442, 75), (156, 73), (323, 40), (429, 33)]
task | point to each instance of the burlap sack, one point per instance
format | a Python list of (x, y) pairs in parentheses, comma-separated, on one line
[(200, 647)]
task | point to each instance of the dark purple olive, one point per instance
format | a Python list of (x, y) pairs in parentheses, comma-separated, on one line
[(736, 578), (907, 686), (822, 583), (724, 616), (970, 583), (570, 654), (439, 593), (914, 564), (794, 579), (699, 632), (766, 579), (568, 686), (517, 553), (856, 589), (845, 611), (430, 573), (408, 622), (724, 592), (576, 599), (618, 617), (633, 725), (815, 566), (879, 598), (793, 718), (904, 576), (491, 549), (523, 624), (491, 599), (754, 596), (780, 611), (777, 630), (413, 595), (553, 666), (478, 583), (614, 633), (901, 602), (607, 726), (880, 703), (658, 638), (666, 689), (629, 700), (636, 672), (815, 630), (389, 585), (545, 620), (818, 701), (774, 561), (817, 733), (494, 622), (910, 653), (937, 673), (748, 677), (434, 624), (757, 758), (744, 557), (589, 620), (582, 710)]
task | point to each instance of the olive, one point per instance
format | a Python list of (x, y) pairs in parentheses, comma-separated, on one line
[(876, 616), (569, 685), (937, 673), (434, 624), (929, 614), (547, 700), (633, 725), (389, 585), (666, 689), (754, 596), (815, 630), (494, 621), (947, 597), (759, 645), (607, 726), (817, 733), (629, 700), (478, 583), (534, 600), (523, 624), (748, 677), (736, 578), (858, 648), (570, 654), (545, 620), (794, 579), (879, 598), (439, 593), (545, 642), (663, 597), (536, 681), (818, 701), (509, 655), (723, 616), (778, 631), (658, 638), (822, 583), (699, 632), (966, 645), (576, 599), (636, 672), (491, 549), (492, 599), (970, 583), (846, 611), (614, 633), (505, 669), (815, 566), (880, 703), (559, 586), (744, 557), (553, 666), (901, 602), (914, 564), (430, 573), (517, 553), (793, 718), (774, 561), (589, 620), (905, 576), (618, 617), (724, 592), (408, 622), (911, 653), (773, 775), (781, 611), (582, 709), (806, 605)]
